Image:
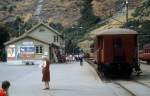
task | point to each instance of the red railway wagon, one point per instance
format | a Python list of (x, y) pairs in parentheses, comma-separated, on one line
[(145, 55), (116, 52)]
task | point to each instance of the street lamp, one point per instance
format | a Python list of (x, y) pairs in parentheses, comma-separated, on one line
[(73, 29), (78, 29), (126, 4)]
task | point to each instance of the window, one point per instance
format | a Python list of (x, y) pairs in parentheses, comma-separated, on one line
[(39, 49), (118, 43), (55, 38)]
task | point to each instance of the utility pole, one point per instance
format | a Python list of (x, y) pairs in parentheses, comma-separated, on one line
[(126, 3), (19, 27), (80, 28)]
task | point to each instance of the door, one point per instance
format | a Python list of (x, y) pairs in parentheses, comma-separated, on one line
[(118, 50)]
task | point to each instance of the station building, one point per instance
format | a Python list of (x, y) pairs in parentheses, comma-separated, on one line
[(39, 40)]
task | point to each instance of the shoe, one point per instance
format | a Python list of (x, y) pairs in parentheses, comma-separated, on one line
[(139, 73)]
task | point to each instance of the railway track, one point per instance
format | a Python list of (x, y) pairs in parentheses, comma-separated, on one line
[(124, 88), (142, 83), (128, 87), (133, 87)]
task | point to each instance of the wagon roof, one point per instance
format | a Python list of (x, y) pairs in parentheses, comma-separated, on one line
[(115, 31)]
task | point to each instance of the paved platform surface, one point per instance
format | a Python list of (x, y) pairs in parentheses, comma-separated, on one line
[(66, 80)]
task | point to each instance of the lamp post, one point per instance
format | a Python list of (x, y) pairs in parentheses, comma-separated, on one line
[(79, 29), (73, 29), (76, 30), (126, 4)]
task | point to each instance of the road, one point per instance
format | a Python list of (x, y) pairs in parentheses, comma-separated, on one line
[(69, 79)]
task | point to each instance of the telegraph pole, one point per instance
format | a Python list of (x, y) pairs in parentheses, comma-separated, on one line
[(126, 3), (19, 29)]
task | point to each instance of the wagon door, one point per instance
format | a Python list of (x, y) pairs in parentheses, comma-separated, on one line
[(118, 51)]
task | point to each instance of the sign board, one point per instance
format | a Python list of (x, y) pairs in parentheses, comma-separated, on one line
[(11, 52), (11, 46), (27, 49), (27, 52), (27, 43)]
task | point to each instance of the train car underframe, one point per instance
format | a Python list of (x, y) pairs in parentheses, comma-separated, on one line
[(115, 69)]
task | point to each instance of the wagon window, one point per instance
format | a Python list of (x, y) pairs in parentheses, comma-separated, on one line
[(118, 43)]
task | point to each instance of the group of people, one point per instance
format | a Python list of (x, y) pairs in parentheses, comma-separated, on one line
[(70, 58)]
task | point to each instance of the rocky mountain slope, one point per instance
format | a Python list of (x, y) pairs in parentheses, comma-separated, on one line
[(9, 9), (65, 12)]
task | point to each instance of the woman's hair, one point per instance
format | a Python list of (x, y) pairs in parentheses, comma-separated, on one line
[(5, 84)]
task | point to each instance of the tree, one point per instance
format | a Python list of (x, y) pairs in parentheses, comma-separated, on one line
[(141, 22), (10, 8), (17, 26), (70, 47), (4, 8), (87, 17), (104, 8), (143, 10), (57, 26), (28, 25), (4, 36)]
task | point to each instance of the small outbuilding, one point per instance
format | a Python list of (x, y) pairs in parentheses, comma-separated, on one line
[(39, 40)]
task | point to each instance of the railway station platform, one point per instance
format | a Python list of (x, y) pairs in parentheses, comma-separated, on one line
[(69, 79)]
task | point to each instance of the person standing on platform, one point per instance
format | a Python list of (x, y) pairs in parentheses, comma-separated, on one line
[(81, 59), (45, 72), (4, 88)]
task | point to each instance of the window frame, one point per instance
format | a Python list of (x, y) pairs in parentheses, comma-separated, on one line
[(38, 49)]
